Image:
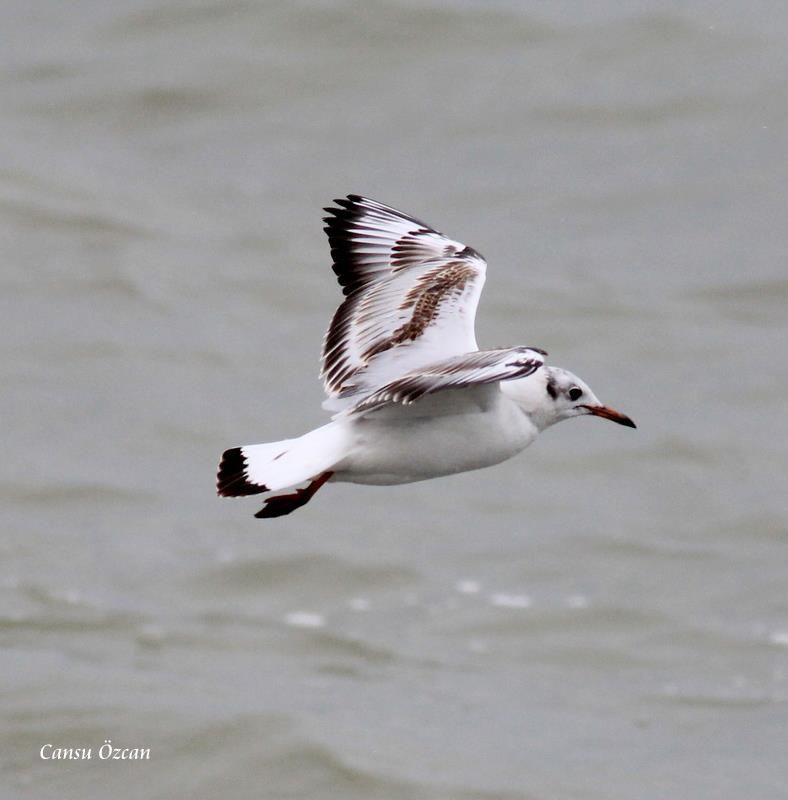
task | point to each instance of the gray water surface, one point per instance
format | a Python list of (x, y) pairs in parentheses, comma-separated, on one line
[(605, 616)]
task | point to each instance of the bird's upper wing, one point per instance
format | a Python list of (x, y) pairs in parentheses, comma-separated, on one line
[(410, 298), (471, 369)]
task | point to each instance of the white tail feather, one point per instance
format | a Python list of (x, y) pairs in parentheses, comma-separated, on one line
[(280, 465)]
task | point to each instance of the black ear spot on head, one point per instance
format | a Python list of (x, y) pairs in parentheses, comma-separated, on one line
[(551, 390)]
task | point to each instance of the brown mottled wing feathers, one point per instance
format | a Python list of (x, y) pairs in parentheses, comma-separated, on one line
[(424, 301), (407, 287)]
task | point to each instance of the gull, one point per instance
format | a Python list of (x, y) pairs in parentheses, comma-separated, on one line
[(413, 396)]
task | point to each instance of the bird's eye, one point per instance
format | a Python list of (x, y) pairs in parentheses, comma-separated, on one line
[(575, 393)]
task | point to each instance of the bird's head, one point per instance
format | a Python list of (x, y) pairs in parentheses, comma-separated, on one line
[(552, 394)]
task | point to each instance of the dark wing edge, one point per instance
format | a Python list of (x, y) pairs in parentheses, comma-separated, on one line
[(356, 211)]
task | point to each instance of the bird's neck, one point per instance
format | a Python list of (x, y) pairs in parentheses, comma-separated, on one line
[(530, 395)]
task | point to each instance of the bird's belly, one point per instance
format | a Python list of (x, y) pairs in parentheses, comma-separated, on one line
[(407, 450)]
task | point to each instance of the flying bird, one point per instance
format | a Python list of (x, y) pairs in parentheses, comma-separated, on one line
[(412, 396)]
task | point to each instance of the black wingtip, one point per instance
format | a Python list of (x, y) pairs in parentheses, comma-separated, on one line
[(345, 203), (231, 480)]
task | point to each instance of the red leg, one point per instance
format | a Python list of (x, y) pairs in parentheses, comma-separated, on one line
[(286, 503)]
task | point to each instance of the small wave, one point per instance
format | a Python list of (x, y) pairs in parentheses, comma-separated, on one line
[(507, 600), (60, 493), (736, 693), (779, 638), (305, 619), (39, 216), (335, 574), (304, 766), (164, 18)]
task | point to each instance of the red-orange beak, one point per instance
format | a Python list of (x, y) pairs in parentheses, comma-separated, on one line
[(611, 414)]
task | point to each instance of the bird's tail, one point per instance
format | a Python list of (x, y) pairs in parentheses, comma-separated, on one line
[(275, 466)]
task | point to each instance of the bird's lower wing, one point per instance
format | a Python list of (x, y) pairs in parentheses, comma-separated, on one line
[(472, 369)]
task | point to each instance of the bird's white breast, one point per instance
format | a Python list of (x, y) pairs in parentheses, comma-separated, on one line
[(410, 445)]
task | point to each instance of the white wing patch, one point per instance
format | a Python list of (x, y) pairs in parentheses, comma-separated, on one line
[(472, 369), (411, 297)]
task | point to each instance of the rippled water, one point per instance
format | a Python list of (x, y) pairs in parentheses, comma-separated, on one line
[(603, 617)]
